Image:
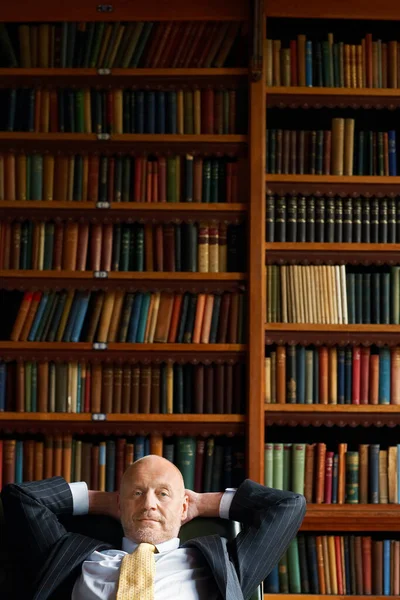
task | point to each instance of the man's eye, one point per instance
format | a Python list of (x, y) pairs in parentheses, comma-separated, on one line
[(137, 493), (163, 494)]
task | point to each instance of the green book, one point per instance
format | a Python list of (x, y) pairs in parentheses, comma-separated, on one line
[(294, 567), (298, 466), (80, 115), (28, 176), (206, 187), (45, 317), (395, 295), (125, 316), (61, 387), (130, 49), (277, 481), (309, 376), (118, 179), (208, 464), (139, 249), (125, 247), (352, 474), (214, 181), (28, 386), (97, 39), (36, 188), (287, 466), (269, 465), (185, 459)]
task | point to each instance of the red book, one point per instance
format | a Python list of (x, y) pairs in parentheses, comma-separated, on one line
[(172, 46), (328, 477), (83, 241), (107, 245), (356, 381), (219, 112), (339, 565), (58, 245), (176, 310), (364, 375), (293, 62)]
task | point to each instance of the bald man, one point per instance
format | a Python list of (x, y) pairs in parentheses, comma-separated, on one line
[(152, 504)]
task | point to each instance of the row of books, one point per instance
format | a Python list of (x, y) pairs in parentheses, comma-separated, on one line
[(81, 387), (369, 475), (338, 564), (118, 316), (341, 151), (176, 44), (334, 375), (332, 294), (198, 247), (116, 111), (307, 62), (207, 465), (332, 219), (118, 178)]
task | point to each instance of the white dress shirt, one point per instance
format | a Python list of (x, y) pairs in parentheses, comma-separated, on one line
[(180, 572)]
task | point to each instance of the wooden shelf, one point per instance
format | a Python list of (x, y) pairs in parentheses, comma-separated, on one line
[(365, 185), (130, 280), (352, 517), (332, 414), (331, 253), (342, 335), (316, 97), (159, 211), (121, 352), (117, 424)]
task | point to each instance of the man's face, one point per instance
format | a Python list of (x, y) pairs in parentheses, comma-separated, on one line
[(153, 503)]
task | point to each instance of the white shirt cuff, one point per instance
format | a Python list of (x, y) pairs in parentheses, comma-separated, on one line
[(225, 504), (80, 497)]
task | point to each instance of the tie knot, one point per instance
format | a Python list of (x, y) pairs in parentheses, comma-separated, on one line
[(146, 548)]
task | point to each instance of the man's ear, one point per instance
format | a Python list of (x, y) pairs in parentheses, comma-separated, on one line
[(185, 507)]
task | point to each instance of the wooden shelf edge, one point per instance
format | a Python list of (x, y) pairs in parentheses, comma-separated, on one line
[(119, 72), (331, 91), (123, 418), (116, 207), (333, 179), (119, 276), (351, 328), (284, 247), (123, 137), (120, 347), (332, 408), (340, 415)]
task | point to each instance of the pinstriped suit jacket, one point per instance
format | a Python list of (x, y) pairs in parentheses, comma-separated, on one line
[(51, 557)]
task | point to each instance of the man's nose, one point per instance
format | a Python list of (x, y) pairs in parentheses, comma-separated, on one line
[(150, 500)]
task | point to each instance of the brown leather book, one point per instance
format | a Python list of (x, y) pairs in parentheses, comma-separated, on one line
[(320, 473), (207, 317), (43, 386), (107, 389), (309, 472), (197, 179), (363, 473), (155, 390), (342, 473), (359, 565), (281, 374), (199, 390), (320, 562), (20, 165), (48, 457), (228, 403), (36, 245), (66, 456), (86, 463), (176, 311), (145, 390), (116, 315), (383, 477), (323, 374), (58, 246), (94, 467), (48, 176), (96, 242), (325, 552), (96, 400), (21, 316), (392, 474), (198, 322), (366, 542), (29, 460), (126, 388), (61, 178), (57, 455), (119, 461), (219, 393), (170, 387), (95, 312), (107, 244), (136, 391), (93, 178), (239, 404), (208, 388), (332, 564), (70, 246), (301, 59), (117, 389), (169, 247), (129, 455), (30, 316), (164, 317), (338, 140), (377, 571), (106, 316), (9, 461), (156, 444)]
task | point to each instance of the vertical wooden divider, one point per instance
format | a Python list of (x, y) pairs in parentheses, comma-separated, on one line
[(256, 257)]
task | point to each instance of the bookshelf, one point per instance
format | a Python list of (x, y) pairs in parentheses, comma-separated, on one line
[(285, 422)]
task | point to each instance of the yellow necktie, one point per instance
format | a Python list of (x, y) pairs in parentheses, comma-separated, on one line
[(136, 578)]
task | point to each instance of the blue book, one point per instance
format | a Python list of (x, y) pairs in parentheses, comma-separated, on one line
[(384, 375), (160, 112), (335, 479), (134, 320), (72, 317), (182, 321), (139, 107), (80, 317), (300, 374), (340, 375), (102, 455), (19, 461), (146, 446), (110, 466), (140, 46), (373, 468), (139, 447), (309, 67), (312, 563), (386, 567), (34, 386), (38, 316), (79, 390), (150, 112), (144, 313), (348, 375), (3, 383), (315, 376), (171, 112), (55, 322), (392, 153)]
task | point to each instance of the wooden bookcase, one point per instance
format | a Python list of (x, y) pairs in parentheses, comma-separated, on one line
[(332, 518), (249, 145)]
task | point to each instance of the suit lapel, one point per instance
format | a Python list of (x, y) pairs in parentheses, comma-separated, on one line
[(68, 554)]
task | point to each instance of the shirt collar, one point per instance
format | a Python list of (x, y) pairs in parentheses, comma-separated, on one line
[(130, 546)]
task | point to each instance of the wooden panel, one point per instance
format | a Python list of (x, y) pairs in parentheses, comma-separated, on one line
[(133, 10), (352, 517), (336, 9)]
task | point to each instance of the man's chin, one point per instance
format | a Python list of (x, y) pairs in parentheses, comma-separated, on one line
[(147, 534)]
